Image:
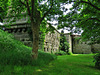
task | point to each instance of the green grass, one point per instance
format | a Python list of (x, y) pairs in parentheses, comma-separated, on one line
[(64, 65), (71, 65)]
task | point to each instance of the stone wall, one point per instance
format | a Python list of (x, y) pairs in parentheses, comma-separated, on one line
[(95, 48), (52, 42), (79, 47), (24, 37), (20, 32)]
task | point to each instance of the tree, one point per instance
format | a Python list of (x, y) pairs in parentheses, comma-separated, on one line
[(64, 46), (36, 11), (85, 15), (3, 9)]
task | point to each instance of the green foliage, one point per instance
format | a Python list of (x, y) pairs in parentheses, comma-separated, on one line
[(42, 9), (42, 34), (61, 53), (64, 46), (85, 15), (14, 52), (97, 60), (70, 53), (3, 9)]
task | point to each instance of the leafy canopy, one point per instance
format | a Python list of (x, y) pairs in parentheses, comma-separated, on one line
[(35, 10), (3, 9), (84, 14)]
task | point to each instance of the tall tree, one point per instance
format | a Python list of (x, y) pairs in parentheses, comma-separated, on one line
[(85, 14), (36, 11)]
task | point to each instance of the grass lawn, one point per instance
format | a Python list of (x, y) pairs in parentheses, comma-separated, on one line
[(64, 65), (71, 65)]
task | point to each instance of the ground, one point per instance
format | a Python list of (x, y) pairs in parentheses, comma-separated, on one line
[(76, 64), (70, 65)]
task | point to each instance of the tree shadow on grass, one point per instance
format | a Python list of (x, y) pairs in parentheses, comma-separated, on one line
[(90, 66)]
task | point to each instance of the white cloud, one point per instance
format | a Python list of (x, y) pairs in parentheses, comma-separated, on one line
[(68, 6), (1, 23)]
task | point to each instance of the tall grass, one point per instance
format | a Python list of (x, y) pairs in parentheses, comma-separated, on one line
[(14, 52)]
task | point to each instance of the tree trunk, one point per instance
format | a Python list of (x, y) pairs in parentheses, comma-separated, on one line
[(35, 32)]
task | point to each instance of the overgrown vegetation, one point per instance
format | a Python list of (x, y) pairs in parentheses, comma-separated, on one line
[(64, 46), (13, 52), (97, 60), (60, 53)]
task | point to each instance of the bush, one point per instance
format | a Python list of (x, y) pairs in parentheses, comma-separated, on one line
[(60, 53), (97, 60), (14, 52), (64, 45), (69, 53)]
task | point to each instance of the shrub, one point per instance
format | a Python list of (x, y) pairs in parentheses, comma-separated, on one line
[(64, 45), (69, 53), (97, 60), (60, 53)]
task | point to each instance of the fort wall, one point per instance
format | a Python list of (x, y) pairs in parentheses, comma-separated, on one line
[(79, 47), (20, 32)]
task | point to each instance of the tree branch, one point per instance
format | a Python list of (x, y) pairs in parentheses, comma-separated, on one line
[(91, 5), (23, 3), (93, 19), (33, 4), (87, 2), (45, 14), (28, 8)]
